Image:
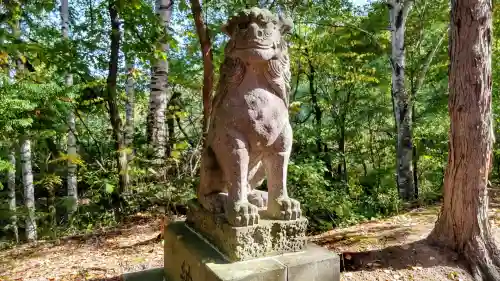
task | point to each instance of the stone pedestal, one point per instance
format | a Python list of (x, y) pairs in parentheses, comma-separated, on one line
[(190, 257), (268, 238)]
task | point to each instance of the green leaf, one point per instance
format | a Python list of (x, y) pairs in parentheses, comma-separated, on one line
[(176, 154), (181, 145), (109, 188)]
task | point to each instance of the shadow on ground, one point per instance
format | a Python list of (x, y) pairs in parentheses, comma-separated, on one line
[(154, 274), (416, 254)]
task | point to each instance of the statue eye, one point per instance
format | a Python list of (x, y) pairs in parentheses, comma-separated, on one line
[(243, 25)]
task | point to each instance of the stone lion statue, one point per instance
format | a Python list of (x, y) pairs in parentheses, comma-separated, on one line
[(249, 136)]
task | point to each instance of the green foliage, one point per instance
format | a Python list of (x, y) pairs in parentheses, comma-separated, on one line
[(342, 167)]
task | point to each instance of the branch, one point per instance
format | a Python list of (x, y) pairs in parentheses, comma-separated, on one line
[(428, 62), (178, 121), (353, 26), (407, 5), (89, 131)]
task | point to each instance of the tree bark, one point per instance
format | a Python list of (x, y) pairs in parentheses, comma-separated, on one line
[(398, 12), (72, 151), (11, 194), (158, 99), (29, 189), (207, 56), (463, 223), (173, 106), (129, 116), (27, 173), (318, 114), (342, 167), (114, 114)]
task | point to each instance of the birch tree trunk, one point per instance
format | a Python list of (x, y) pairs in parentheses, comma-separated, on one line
[(72, 152), (27, 173), (158, 99), (398, 12), (463, 224), (29, 189), (11, 194)]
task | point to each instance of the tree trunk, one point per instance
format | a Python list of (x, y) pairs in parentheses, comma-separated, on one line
[(399, 10), (27, 173), (173, 106), (342, 167), (129, 116), (29, 189), (207, 55), (156, 131), (72, 152), (463, 224), (11, 194), (114, 114), (318, 114)]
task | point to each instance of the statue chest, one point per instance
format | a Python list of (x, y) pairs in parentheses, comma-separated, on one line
[(255, 94), (254, 103), (256, 112)]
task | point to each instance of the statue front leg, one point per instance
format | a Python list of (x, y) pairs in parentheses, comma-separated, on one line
[(280, 206), (256, 177), (234, 159)]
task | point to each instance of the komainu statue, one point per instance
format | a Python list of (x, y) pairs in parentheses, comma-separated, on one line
[(249, 136)]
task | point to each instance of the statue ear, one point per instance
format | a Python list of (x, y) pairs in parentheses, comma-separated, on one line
[(227, 29), (286, 24)]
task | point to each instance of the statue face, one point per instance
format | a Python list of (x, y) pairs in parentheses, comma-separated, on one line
[(255, 35)]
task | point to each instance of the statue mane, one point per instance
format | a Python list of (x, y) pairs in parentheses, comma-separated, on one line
[(233, 70)]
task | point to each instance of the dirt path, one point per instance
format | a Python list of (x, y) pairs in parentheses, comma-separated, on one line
[(389, 249), (102, 256), (393, 249)]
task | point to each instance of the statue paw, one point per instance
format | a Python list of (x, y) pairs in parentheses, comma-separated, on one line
[(258, 198), (214, 203), (242, 213), (284, 208)]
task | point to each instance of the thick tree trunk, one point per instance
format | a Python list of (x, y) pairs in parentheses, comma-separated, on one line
[(29, 189), (463, 224), (11, 194), (72, 152), (158, 99), (399, 10), (207, 55), (129, 116), (114, 114)]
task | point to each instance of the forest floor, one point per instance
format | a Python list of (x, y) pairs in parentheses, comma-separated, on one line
[(387, 249)]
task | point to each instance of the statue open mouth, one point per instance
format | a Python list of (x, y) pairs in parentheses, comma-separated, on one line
[(255, 46)]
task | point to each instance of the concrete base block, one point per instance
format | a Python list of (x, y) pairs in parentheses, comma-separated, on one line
[(268, 238), (190, 257)]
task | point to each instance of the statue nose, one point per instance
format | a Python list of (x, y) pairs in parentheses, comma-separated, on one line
[(256, 31)]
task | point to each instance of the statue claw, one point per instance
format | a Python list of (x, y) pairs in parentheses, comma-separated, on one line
[(284, 208), (258, 198), (242, 213)]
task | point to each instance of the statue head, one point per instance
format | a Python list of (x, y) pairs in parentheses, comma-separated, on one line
[(256, 35)]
